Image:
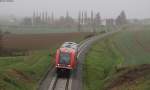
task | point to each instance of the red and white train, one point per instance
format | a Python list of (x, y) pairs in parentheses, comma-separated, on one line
[(66, 58)]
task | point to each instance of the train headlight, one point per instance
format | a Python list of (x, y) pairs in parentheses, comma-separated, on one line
[(69, 65)]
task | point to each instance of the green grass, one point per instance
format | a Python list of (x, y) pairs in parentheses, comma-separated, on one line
[(24, 73), (47, 29), (37, 30), (133, 53), (100, 64), (120, 50)]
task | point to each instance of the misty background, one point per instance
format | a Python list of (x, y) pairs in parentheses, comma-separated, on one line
[(108, 8)]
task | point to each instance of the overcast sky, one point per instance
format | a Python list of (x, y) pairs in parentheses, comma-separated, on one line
[(107, 8)]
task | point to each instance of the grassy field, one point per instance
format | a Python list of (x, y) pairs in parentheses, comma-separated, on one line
[(24, 72), (134, 46), (120, 62), (48, 29), (36, 29)]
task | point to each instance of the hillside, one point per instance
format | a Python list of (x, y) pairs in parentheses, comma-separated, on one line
[(120, 62)]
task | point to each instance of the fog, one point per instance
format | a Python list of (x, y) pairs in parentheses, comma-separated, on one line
[(107, 8)]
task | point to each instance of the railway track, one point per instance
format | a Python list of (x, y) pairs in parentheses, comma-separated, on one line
[(59, 84), (65, 83), (52, 82)]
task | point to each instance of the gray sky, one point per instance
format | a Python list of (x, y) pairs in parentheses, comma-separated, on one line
[(107, 8)]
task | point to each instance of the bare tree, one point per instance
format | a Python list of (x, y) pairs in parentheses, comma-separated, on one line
[(27, 21), (1, 40), (121, 19), (82, 17), (33, 18), (69, 21), (85, 18), (46, 17), (93, 22), (92, 17), (98, 19), (79, 21), (52, 18)]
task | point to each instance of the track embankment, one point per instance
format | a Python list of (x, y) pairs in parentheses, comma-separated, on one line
[(51, 82)]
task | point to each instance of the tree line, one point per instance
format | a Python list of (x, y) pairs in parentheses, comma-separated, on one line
[(84, 19), (88, 21)]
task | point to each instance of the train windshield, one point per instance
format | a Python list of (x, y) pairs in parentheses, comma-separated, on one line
[(64, 58)]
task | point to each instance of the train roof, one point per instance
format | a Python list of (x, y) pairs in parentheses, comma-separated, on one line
[(67, 50), (72, 45)]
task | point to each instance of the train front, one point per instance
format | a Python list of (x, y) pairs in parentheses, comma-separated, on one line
[(65, 61)]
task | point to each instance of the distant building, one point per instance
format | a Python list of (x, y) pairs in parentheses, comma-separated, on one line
[(110, 22)]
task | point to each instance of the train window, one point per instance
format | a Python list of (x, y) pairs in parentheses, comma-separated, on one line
[(64, 58)]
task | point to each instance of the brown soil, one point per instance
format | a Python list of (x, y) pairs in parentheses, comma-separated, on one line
[(130, 76), (39, 41)]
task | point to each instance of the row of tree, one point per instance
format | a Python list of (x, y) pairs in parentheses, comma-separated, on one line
[(93, 20), (0, 40)]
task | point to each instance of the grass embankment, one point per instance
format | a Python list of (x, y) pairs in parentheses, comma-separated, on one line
[(120, 62), (100, 64), (24, 72)]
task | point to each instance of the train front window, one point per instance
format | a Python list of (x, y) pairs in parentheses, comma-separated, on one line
[(64, 58)]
